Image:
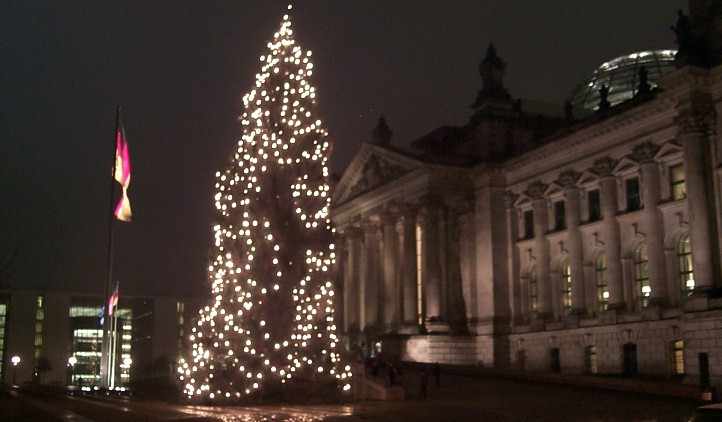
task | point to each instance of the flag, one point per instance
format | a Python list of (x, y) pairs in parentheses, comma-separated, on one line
[(113, 300), (122, 175)]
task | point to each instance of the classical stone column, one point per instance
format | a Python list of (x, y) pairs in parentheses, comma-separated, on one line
[(568, 180), (431, 274), (516, 297), (408, 271), (536, 191), (371, 293), (388, 256), (695, 128), (610, 230), (455, 306), (652, 225)]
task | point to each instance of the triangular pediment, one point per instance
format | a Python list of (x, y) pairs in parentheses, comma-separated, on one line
[(625, 165), (669, 150), (587, 178), (372, 167)]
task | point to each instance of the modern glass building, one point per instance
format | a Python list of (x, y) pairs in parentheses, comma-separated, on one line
[(621, 76)]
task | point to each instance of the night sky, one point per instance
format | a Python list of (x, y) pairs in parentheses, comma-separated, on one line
[(180, 68)]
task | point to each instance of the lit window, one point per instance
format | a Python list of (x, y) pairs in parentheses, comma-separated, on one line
[(567, 286), (419, 274), (678, 356), (641, 275), (677, 181), (686, 268), (600, 271), (533, 292)]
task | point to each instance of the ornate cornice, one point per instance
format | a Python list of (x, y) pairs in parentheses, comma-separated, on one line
[(644, 152)]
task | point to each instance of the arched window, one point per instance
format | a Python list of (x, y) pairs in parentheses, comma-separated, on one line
[(600, 272), (641, 274), (566, 286), (533, 292), (684, 257)]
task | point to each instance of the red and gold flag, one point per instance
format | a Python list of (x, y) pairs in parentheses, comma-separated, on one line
[(122, 175)]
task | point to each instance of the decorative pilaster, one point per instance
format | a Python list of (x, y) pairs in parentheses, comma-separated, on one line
[(568, 180), (535, 191), (370, 281), (696, 125), (651, 220), (610, 230)]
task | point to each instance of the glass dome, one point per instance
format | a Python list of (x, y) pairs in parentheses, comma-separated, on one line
[(621, 75)]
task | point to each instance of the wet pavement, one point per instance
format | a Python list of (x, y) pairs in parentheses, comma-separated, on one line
[(457, 399)]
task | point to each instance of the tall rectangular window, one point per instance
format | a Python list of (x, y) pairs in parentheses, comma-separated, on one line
[(560, 220), (419, 274), (533, 292), (590, 359), (678, 355), (567, 286), (595, 206), (180, 311), (634, 200), (528, 224), (677, 182), (600, 270)]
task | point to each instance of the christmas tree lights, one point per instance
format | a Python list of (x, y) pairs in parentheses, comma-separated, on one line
[(271, 316)]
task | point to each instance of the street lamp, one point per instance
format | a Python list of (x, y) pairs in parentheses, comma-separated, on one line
[(71, 362), (15, 360)]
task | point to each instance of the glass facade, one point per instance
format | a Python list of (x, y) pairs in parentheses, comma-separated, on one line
[(87, 344), (39, 322), (621, 76)]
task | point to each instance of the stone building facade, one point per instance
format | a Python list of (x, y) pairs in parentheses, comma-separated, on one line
[(548, 243)]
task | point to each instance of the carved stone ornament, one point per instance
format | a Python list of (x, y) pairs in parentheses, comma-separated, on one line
[(645, 152), (604, 167), (536, 189), (568, 178), (375, 173)]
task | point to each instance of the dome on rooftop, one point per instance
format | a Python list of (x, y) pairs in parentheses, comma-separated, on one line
[(621, 75)]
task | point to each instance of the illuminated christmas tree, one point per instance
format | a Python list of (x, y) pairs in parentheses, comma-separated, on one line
[(271, 316)]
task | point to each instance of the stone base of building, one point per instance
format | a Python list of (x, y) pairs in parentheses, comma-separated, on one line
[(444, 349)]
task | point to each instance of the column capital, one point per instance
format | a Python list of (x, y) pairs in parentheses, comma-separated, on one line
[(696, 116), (510, 199), (536, 189), (604, 167), (568, 179), (645, 152)]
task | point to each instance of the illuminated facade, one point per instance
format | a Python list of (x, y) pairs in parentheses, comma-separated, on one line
[(48, 328), (547, 242)]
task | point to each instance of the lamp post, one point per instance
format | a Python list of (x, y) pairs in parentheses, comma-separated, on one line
[(71, 362), (15, 360)]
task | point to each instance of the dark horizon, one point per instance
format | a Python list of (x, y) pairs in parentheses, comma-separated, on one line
[(179, 70)]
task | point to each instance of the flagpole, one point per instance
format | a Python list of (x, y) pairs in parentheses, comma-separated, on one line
[(105, 379)]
